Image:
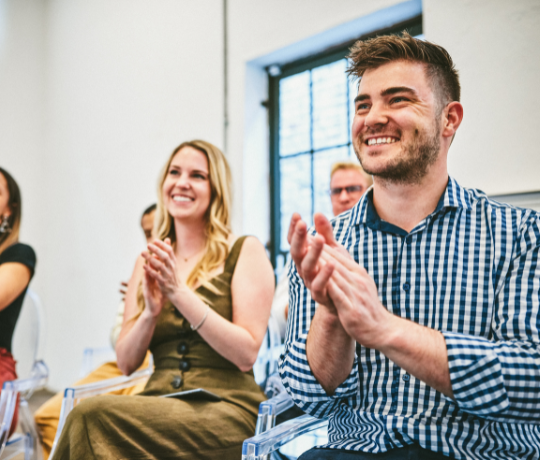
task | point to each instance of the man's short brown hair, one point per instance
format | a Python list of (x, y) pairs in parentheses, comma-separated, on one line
[(346, 165), (440, 70)]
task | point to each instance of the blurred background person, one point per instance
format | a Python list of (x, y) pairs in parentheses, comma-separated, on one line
[(348, 182), (200, 300), (48, 415), (17, 264)]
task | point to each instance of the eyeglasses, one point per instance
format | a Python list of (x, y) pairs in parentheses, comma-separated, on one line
[(350, 189)]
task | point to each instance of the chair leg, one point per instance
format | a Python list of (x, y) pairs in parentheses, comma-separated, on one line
[(28, 448), (28, 425)]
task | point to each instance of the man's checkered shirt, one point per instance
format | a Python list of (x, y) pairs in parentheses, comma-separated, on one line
[(470, 270)]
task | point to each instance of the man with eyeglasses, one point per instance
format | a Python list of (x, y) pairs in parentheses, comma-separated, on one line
[(348, 182)]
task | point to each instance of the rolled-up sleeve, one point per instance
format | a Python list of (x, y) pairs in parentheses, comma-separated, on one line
[(294, 368), (498, 378)]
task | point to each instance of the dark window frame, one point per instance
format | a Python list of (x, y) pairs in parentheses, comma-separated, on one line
[(332, 54)]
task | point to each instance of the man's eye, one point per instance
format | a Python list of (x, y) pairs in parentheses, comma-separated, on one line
[(399, 99), (363, 106)]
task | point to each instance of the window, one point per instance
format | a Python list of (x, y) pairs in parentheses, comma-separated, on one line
[(311, 108)]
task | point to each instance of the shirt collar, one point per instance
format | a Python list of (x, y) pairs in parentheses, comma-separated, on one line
[(364, 211)]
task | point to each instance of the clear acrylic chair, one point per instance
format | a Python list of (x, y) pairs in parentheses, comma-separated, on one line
[(268, 357), (27, 346), (95, 357), (73, 395), (291, 437)]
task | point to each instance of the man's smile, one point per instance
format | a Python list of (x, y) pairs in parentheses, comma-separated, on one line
[(381, 140)]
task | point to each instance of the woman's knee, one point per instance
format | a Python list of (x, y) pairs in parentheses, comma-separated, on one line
[(88, 407)]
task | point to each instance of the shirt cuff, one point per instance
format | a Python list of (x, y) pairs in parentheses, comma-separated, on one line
[(304, 388), (475, 374)]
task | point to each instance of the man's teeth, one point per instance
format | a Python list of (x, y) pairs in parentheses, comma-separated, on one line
[(181, 198), (381, 140)]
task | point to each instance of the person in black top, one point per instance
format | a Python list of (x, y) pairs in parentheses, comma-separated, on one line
[(17, 262)]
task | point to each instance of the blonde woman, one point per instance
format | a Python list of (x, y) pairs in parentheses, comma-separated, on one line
[(17, 263), (199, 299)]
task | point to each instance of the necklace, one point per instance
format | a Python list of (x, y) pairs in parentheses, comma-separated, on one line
[(185, 259)]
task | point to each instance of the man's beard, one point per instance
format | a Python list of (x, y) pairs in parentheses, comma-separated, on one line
[(411, 166)]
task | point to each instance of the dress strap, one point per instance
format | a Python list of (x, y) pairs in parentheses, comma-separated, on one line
[(234, 253)]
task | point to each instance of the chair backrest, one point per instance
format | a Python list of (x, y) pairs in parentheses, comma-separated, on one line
[(268, 357), (29, 335), (95, 357)]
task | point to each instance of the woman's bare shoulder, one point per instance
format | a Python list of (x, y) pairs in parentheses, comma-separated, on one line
[(252, 252)]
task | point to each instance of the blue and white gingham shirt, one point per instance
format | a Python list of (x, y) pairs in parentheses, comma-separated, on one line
[(470, 270)]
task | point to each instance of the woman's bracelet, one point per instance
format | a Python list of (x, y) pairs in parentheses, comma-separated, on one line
[(194, 328)]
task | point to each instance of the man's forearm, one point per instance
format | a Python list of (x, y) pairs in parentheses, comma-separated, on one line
[(329, 349)]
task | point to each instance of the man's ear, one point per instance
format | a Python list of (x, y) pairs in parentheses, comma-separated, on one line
[(453, 115)]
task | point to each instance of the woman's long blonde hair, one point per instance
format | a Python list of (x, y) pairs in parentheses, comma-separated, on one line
[(218, 216), (14, 220)]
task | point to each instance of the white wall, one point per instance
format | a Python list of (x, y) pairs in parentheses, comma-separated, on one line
[(495, 45), (94, 94), (22, 101), (125, 82)]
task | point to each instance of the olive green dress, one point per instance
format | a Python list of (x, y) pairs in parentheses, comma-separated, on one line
[(149, 427)]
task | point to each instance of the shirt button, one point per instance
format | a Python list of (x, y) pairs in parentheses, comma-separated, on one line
[(183, 348), (406, 287), (177, 382), (406, 377), (184, 365), (408, 241)]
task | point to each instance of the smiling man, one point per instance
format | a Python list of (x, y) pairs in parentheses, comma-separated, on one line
[(416, 314)]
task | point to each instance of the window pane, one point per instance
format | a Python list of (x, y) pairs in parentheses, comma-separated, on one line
[(322, 164), (330, 126), (295, 192), (294, 114)]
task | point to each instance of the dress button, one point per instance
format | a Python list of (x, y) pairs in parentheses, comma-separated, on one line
[(183, 348), (406, 377), (406, 287), (184, 365), (183, 333), (177, 382)]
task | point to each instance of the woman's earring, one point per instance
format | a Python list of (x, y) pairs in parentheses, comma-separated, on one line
[(4, 225)]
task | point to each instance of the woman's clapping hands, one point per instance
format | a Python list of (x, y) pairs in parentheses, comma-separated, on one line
[(160, 281)]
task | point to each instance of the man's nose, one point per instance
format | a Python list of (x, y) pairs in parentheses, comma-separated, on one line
[(376, 116)]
